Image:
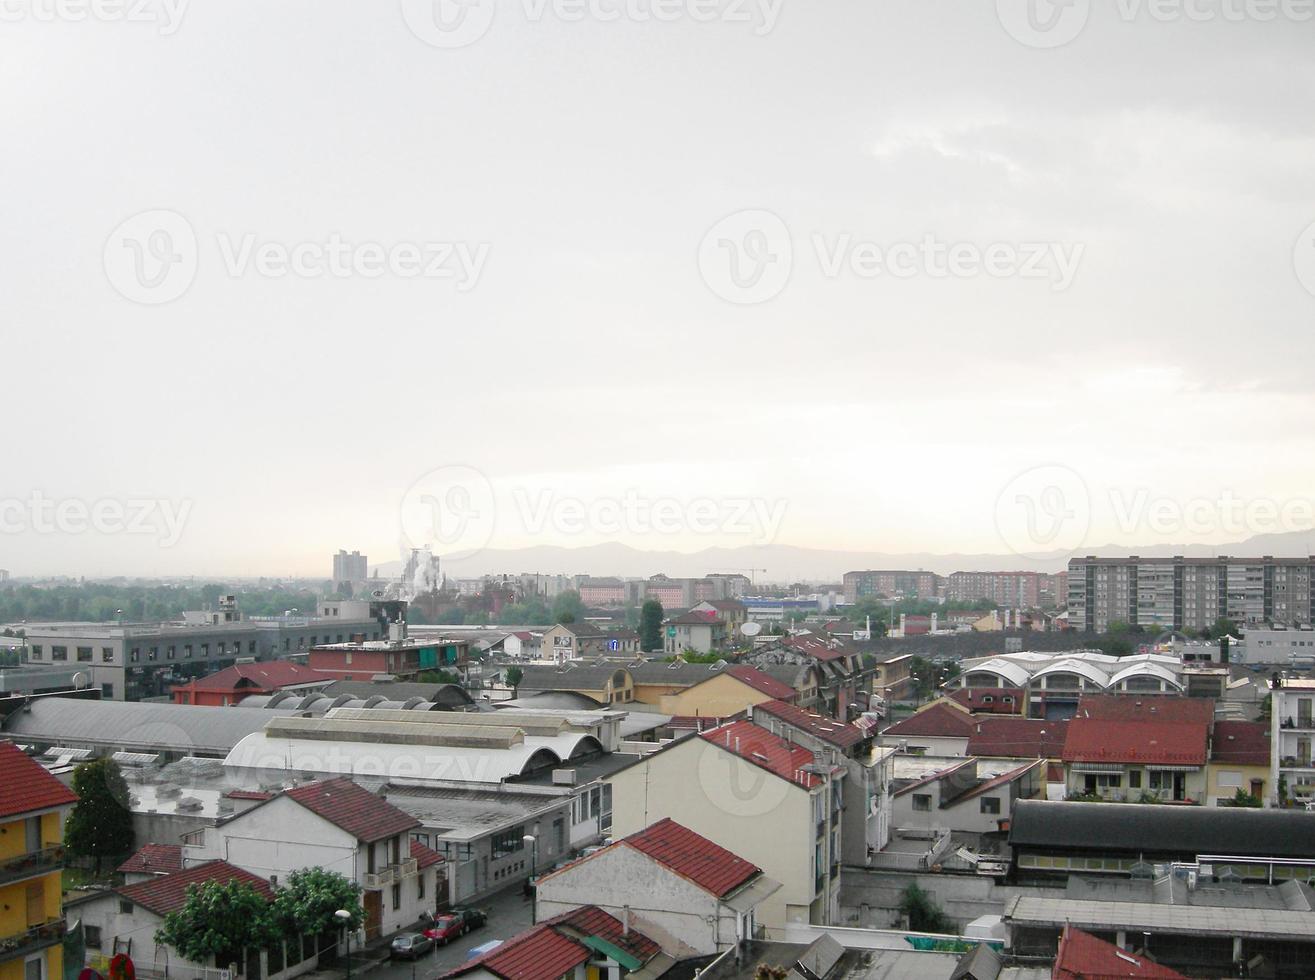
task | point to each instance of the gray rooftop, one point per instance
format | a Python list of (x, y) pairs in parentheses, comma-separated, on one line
[(1199, 920), (463, 814)]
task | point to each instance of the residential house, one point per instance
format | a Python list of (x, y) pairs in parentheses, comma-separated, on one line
[(839, 675), (336, 825), (245, 678), (892, 678), (605, 681), (32, 810), (989, 700), (731, 611), (403, 658), (697, 631), (716, 690), (1006, 737), (1239, 760), (523, 645), (1292, 717), (573, 641), (583, 944), (768, 799), (689, 894), (942, 727), (867, 796), (152, 861), (962, 800)]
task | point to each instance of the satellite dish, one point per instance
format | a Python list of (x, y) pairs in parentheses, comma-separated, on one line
[(377, 594), (81, 680), (751, 629)]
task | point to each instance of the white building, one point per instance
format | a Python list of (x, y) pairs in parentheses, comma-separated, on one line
[(1292, 716), (693, 897)]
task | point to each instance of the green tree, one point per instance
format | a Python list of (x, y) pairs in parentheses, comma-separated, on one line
[(438, 677), (923, 913), (1243, 798), (514, 676), (100, 825), (306, 906), (219, 922), (650, 626), (567, 607)]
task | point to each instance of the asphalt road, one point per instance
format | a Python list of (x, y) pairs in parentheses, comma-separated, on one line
[(509, 913)]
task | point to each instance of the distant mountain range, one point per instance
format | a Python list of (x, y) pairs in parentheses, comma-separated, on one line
[(787, 563)]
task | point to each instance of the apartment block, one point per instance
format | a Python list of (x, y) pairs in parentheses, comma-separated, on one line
[(1012, 590), (1189, 593), (892, 584)]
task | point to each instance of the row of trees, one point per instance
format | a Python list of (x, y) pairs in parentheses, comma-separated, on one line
[(100, 602)]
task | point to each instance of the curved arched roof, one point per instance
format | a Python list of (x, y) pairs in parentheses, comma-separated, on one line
[(1146, 670), (1015, 674), (1072, 665)]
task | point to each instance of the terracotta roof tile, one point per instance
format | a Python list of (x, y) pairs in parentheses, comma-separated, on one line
[(1242, 743), (1135, 742), (693, 856), (268, 675), (590, 920), (827, 729), (426, 857), (28, 787), (942, 719), (165, 894), (160, 859), (353, 809), (760, 747), (763, 683), (1084, 957), (1021, 738), (1151, 707), (553, 948)]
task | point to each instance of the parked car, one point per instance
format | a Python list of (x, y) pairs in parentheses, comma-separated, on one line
[(445, 928), (472, 917), (410, 945)]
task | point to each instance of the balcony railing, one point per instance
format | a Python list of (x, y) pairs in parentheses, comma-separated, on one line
[(31, 864), (391, 874), (32, 940)]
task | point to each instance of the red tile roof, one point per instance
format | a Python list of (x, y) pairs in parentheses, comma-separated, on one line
[(1135, 742), (426, 857), (695, 722), (696, 617), (1084, 957), (353, 809), (827, 729), (160, 859), (267, 675), (761, 748), (165, 894), (974, 699), (1021, 738), (590, 920), (1150, 707), (819, 647), (762, 683), (249, 794), (693, 856), (1243, 743), (28, 787), (942, 719)]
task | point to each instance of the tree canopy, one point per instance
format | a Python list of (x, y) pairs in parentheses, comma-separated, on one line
[(309, 902), (218, 922), (650, 626), (100, 825)]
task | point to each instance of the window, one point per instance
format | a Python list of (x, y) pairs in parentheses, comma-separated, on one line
[(990, 804), (187, 651), (397, 896), (36, 651), (84, 655), (59, 653), (922, 801), (34, 968), (205, 650), (125, 907), (420, 885), (1134, 779), (508, 842), (92, 935), (153, 653), (251, 646), (170, 653), (107, 655)]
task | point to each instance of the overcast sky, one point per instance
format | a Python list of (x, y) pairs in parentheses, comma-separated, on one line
[(284, 277)]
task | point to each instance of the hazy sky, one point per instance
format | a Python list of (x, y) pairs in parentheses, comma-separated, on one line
[(283, 277)]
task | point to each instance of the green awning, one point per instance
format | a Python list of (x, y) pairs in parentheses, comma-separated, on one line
[(628, 960)]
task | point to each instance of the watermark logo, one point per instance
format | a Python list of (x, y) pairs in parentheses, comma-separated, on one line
[(1045, 508), (151, 258), (167, 15), (38, 514), (746, 257), (449, 23), (735, 786), (1043, 23), (451, 510), (1303, 258)]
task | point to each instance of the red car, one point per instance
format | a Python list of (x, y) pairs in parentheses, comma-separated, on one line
[(445, 928)]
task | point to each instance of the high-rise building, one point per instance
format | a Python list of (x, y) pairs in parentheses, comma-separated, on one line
[(350, 568), (1012, 590), (1189, 593), (891, 584)]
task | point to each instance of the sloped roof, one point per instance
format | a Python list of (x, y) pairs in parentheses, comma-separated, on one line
[(829, 730), (160, 859), (974, 699), (696, 617), (1243, 743), (1135, 742), (426, 857), (267, 675), (1022, 738), (677, 673), (1082, 956), (28, 787), (819, 647), (568, 677), (762, 682), (165, 894), (760, 747), (942, 719), (692, 856), (1151, 707), (590, 920), (353, 809)]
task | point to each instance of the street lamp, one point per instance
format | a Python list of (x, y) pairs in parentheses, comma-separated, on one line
[(534, 860), (345, 917)]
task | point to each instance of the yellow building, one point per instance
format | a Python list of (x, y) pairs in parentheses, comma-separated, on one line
[(726, 693), (32, 808)]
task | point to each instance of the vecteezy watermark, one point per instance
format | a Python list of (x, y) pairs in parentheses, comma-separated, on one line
[(1049, 508), (39, 514), (454, 511), (167, 15), (153, 257), (460, 23), (1054, 23), (1303, 258), (737, 789), (747, 258)]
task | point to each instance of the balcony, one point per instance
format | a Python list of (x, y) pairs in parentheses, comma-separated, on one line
[(380, 879), (32, 940), (31, 864)]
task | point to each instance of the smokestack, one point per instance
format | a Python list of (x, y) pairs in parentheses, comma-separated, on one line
[(625, 920)]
